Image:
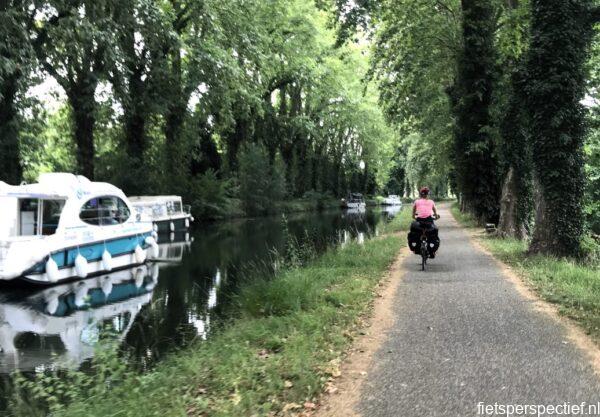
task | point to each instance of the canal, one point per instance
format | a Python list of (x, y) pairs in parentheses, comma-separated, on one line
[(154, 309)]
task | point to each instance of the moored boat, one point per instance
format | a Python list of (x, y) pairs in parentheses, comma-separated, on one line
[(392, 200), (168, 213), (66, 227), (354, 201)]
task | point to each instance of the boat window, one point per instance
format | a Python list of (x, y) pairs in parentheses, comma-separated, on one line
[(28, 216), (173, 207), (105, 211), (51, 215)]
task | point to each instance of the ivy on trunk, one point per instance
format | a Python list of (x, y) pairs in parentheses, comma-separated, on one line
[(561, 33)]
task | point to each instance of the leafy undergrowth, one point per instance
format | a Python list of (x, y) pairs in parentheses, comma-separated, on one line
[(281, 352), (572, 285), (463, 218)]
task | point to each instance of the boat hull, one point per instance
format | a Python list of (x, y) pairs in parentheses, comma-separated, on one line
[(122, 250), (172, 225), (355, 206)]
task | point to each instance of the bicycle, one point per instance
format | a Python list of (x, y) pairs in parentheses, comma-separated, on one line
[(424, 249)]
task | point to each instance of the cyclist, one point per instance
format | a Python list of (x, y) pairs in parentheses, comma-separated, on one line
[(424, 213)]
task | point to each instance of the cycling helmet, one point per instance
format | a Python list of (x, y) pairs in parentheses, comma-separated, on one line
[(424, 191)]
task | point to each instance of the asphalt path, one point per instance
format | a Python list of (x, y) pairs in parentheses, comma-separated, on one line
[(465, 337)]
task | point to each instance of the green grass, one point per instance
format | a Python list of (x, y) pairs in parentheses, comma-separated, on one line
[(463, 218), (574, 286), (286, 342)]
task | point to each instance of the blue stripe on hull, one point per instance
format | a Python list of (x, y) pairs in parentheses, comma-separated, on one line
[(93, 252)]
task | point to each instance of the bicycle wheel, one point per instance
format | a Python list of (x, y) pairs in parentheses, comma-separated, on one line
[(424, 252)]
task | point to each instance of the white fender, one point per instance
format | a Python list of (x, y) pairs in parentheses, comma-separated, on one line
[(81, 266), (172, 237), (107, 261), (155, 271), (187, 223), (172, 226), (154, 227), (81, 293), (139, 277), (51, 302), (154, 246), (107, 285), (155, 235), (139, 255), (52, 270)]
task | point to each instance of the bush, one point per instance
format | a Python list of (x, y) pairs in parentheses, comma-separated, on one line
[(212, 198), (261, 185), (320, 199)]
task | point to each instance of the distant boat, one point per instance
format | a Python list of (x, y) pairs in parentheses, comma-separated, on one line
[(168, 213), (66, 227), (392, 200), (354, 201)]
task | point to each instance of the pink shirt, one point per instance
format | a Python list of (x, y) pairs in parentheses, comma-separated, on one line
[(424, 207)]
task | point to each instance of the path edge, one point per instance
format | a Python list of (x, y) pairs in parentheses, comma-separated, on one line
[(359, 357), (573, 331)]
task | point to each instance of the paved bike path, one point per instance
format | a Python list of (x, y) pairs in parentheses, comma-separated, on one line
[(464, 335)]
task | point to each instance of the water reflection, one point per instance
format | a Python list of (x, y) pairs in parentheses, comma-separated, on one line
[(61, 325), (199, 273)]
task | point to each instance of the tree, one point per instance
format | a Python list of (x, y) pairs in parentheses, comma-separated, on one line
[(515, 156), (475, 158), (74, 44), (16, 60), (561, 35), (136, 77)]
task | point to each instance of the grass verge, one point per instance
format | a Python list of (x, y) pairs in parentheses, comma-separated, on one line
[(573, 286), (280, 353)]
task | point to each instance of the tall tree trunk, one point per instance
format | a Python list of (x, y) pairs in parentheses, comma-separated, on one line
[(10, 158), (476, 165), (83, 103), (509, 224), (234, 142), (561, 34), (176, 159)]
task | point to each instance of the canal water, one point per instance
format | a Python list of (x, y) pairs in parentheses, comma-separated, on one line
[(154, 309)]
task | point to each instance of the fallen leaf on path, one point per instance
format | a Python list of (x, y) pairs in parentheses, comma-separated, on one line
[(310, 406), (291, 406)]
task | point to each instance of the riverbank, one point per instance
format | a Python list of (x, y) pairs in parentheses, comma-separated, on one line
[(573, 286), (232, 210), (278, 355)]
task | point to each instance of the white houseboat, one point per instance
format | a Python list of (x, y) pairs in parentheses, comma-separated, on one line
[(392, 200), (354, 201), (67, 227), (168, 213)]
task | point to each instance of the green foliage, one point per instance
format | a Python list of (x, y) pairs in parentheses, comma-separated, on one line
[(16, 62), (212, 198), (160, 92), (414, 62), (54, 391), (261, 184), (44, 145)]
